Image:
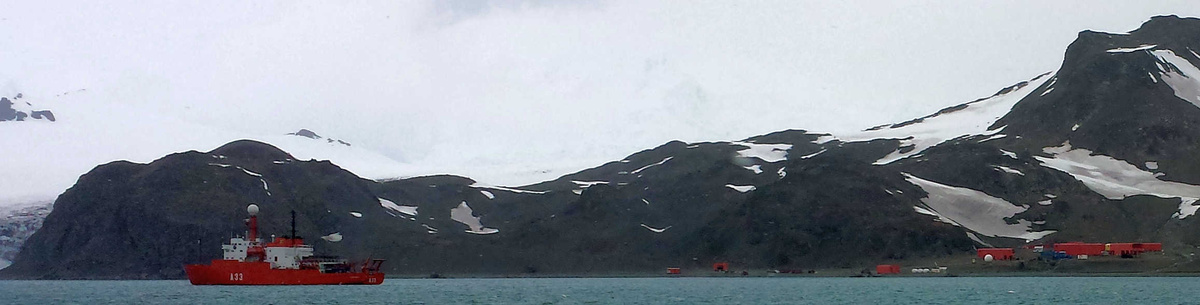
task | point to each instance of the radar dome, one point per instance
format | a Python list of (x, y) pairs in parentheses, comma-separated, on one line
[(252, 209), (988, 258)]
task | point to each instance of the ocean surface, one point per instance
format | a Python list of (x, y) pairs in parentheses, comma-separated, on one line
[(908, 290)]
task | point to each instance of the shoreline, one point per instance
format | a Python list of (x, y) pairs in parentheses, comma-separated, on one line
[(655, 276)]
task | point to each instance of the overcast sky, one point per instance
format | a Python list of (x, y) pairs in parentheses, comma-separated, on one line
[(462, 84)]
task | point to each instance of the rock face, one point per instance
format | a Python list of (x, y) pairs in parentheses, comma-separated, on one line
[(1098, 150), (1132, 96), (127, 220), (10, 113), (313, 135)]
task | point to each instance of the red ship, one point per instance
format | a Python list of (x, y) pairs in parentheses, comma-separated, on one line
[(283, 261)]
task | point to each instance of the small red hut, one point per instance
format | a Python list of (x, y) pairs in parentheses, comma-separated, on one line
[(887, 269), (722, 267)]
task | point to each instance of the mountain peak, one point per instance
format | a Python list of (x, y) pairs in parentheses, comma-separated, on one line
[(250, 149), (305, 133), (313, 135), (1169, 24)]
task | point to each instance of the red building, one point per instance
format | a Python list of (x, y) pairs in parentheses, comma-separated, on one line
[(1078, 248), (673, 271), (1000, 254), (1153, 247), (887, 269), (1132, 249), (722, 266)]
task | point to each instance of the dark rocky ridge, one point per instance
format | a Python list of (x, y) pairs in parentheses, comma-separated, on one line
[(125, 220), (1120, 110), (825, 205)]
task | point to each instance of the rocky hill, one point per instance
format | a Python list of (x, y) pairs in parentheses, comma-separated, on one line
[(1097, 150), (17, 110)]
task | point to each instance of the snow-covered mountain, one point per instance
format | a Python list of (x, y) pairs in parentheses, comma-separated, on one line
[(53, 140), (1099, 149)]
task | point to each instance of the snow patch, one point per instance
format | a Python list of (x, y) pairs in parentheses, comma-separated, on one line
[(1117, 179), (587, 184), (1130, 50), (741, 188), (781, 172), (646, 201), (812, 154), (488, 194), (1074, 128), (406, 210), (654, 229), (507, 189), (1152, 165), (973, 119), (356, 214), (1184, 79), (757, 169), (993, 137), (265, 188), (974, 210), (767, 152), (925, 211), (463, 214), (824, 139), (1009, 154), (1009, 170), (1187, 207), (430, 230), (1045, 202), (333, 238), (219, 164), (975, 238), (664, 160), (248, 172)]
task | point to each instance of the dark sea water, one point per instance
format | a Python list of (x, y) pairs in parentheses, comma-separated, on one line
[(962, 290)]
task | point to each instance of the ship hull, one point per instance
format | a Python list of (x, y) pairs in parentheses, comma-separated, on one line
[(230, 272)]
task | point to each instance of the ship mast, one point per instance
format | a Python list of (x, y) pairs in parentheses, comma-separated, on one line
[(253, 222), (293, 224), (255, 253)]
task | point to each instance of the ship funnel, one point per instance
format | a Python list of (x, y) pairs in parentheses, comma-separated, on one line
[(252, 209)]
